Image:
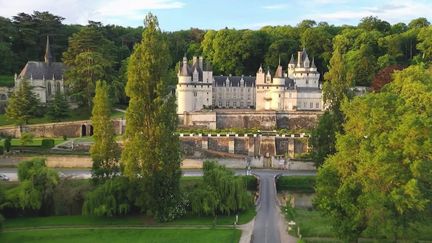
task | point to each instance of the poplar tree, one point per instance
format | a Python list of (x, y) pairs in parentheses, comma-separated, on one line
[(151, 155), (105, 152)]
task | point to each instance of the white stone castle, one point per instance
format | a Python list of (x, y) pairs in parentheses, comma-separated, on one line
[(298, 89)]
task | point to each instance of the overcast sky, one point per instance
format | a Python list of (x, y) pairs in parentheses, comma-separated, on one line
[(206, 14)]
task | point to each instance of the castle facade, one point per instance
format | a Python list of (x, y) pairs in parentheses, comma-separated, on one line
[(297, 89)]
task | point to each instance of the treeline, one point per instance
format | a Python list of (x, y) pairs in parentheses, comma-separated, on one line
[(368, 47)]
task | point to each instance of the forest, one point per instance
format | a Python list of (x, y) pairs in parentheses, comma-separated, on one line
[(367, 48)]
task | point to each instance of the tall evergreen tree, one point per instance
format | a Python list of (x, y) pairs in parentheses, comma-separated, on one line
[(151, 154), (105, 152), (22, 104), (58, 108)]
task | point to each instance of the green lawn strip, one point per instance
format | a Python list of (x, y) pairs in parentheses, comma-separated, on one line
[(138, 220), (124, 235), (314, 226), (16, 142)]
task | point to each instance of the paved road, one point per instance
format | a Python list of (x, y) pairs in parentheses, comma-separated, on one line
[(266, 228), (85, 173)]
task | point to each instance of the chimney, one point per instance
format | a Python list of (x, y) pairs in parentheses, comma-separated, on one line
[(48, 56), (201, 60), (299, 59)]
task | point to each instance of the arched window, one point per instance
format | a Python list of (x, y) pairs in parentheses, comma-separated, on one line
[(49, 89), (57, 87)]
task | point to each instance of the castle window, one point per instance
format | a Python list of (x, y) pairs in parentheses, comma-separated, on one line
[(241, 104), (58, 88), (317, 105), (279, 95), (311, 105), (234, 104), (49, 89), (195, 93), (307, 81), (227, 104)]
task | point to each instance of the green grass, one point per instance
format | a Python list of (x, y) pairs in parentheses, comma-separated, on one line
[(73, 115), (142, 220), (296, 183), (313, 224), (35, 143), (124, 235), (7, 81)]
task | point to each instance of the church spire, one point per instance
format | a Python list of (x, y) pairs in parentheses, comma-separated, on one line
[(48, 56)]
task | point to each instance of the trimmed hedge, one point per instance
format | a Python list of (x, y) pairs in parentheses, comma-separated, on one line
[(251, 182), (296, 183), (47, 143)]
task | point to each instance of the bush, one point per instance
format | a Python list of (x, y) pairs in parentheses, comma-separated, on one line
[(26, 138), (7, 144), (64, 137), (251, 182), (47, 143), (296, 183), (1, 150)]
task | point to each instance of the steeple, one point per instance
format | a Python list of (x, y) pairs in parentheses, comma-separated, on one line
[(48, 56), (292, 59), (313, 63)]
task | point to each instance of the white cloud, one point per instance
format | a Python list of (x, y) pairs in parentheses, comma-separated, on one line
[(397, 11), (80, 11), (277, 6)]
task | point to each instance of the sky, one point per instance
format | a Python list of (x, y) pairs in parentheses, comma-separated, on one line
[(205, 14)]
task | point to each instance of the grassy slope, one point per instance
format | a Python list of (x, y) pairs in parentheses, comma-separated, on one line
[(123, 235)]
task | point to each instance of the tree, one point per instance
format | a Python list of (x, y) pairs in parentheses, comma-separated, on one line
[(89, 58), (384, 77), (22, 104), (376, 182), (58, 108), (425, 43), (37, 184), (105, 152), (374, 23), (151, 154), (323, 137)]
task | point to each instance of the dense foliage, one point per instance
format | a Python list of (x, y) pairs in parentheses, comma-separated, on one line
[(296, 183), (378, 181)]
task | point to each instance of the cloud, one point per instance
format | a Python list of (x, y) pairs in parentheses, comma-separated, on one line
[(80, 11), (397, 11), (277, 6)]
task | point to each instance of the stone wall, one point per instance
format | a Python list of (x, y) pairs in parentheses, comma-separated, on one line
[(49, 130), (265, 120)]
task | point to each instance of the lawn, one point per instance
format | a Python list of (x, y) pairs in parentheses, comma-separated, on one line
[(7, 81), (73, 115), (314, 225), (124, 235)]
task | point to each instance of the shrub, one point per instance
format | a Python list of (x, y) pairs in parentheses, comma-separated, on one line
[(296, 183), (7, 144), (26, 138), (1, 150), (251, 182), (47, 143), (64, 137)]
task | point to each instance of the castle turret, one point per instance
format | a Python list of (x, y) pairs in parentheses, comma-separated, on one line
[(260, 76)]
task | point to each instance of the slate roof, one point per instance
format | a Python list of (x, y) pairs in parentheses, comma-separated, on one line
[(234, 80), (41, 70)]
